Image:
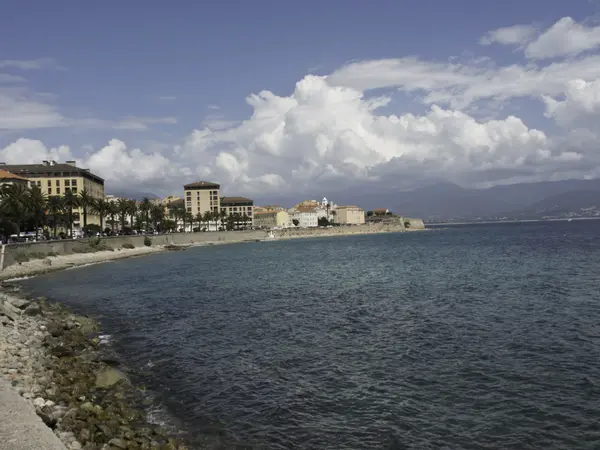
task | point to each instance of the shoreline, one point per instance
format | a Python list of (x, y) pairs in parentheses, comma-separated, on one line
[(36, 267), (61, 368)]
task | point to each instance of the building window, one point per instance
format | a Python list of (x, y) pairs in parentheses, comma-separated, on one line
[(67, 190), (57, 182), (74, 190), (57, 190), (67, 182), (49, 191), (73, 182), (49, 183), (189, 209)]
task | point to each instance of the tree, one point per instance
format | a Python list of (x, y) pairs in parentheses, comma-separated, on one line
[(123, 211), (70, 201), (369, 213), (36, 203), (56, 208), (245, 220), (101, 207), (145, 207), (133, 210), (323, 222), (86, 201), (113, 210), (157, 213), (14, 205), (296, 222), (189, 218)]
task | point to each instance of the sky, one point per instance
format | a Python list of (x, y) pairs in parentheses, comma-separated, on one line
[(282, 101)]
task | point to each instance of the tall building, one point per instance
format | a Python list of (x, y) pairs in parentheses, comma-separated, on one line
[(349, 215), (238, 205), (55, 179), (202, 196)]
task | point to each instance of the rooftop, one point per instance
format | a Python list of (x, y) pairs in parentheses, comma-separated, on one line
[(202, 185), (226, 200), (349, 207), (51, 168), (6, 175)]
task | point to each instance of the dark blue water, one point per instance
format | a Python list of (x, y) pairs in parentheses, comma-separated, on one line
[(475, 337)]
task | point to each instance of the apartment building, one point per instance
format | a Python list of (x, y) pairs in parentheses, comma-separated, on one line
[(7, 178), (202, 196), (238, 205), (349, 215), (306, 217), (272, 219), (57, 178)]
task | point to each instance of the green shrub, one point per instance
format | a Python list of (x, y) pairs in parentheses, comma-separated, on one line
[(128, 245), (94, 242), (147, 241)]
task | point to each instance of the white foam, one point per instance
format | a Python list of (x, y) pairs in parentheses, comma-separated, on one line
[(104, 338)]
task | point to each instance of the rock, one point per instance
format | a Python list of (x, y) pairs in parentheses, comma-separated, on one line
[(39, 402), (49, 404), (118, 443), (47, 262), (33, 310), (20, 303), (8, 310), (55, 329), (47, 417), (84, 435), (108, 377), (75, 445)]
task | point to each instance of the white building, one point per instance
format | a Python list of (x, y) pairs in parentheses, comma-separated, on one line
[(307, 217)]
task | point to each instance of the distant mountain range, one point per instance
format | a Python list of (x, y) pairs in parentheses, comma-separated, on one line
[(134, 195), (549, 199)]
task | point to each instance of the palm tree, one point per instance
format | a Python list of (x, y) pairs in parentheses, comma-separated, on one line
[(14, 204), (36, 203), (245, 220), (122, 211), (145, 206), (56, 209), (86, 201), (157, 213), (207, 217), (133, 210), (101, 207), (222, 215), (189, 218), (70, 201), (113, 210)]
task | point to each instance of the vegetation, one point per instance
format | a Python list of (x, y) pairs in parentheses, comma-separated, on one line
[(128, 245), (147, 241), (296, 222), (323, 222)]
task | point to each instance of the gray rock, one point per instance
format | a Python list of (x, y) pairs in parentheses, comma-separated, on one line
[(118, 443), (8, 310), (33, 310), (75, 445), (20, 303), (55, 329)]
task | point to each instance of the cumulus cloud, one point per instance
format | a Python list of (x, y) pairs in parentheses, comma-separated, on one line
[(565, 37), (515, 35), (336, 132)]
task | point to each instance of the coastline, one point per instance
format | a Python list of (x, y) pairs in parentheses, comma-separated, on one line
[(53, 358), (60, 367), (35, 267)]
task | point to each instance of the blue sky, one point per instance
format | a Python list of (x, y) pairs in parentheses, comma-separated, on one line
[(181, 66)]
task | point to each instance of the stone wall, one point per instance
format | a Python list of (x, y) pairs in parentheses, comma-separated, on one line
[(10, 254), (414, 224)]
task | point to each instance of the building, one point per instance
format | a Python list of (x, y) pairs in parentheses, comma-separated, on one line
[(202, 196), (238, 205), (272, 219), (306, 217), (350, 215), (55, 179), (7, 178)]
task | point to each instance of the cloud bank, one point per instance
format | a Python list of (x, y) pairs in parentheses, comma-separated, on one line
[(333, 133)]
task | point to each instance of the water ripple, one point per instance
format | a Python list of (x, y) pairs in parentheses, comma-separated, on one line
[(478, 337)]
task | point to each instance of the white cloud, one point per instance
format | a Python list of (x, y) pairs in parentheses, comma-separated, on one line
[(18, 111), (515, 35), (31, 64), (7, 78), (565, 37), (580, 107), (332, 133)]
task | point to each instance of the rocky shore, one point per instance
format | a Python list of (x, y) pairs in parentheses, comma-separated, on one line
[(55, 360)]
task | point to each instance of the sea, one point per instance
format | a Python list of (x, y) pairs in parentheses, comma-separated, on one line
[(464, 337)]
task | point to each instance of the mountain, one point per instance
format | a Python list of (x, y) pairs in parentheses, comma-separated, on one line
[(134, 195), (448, 201)]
